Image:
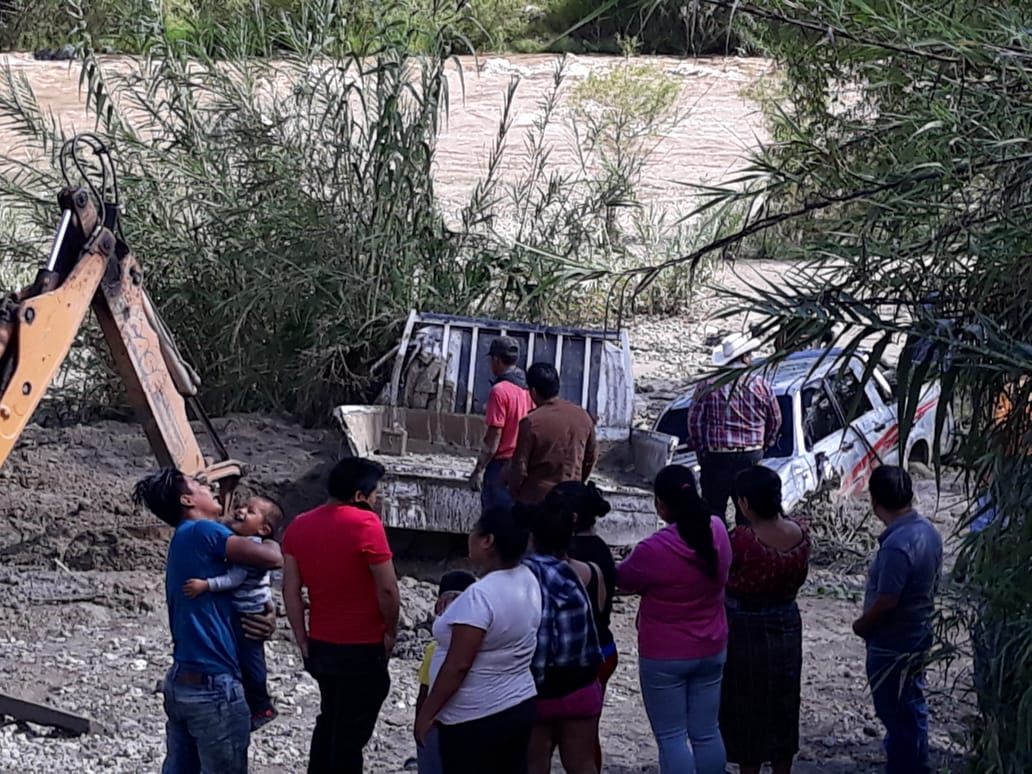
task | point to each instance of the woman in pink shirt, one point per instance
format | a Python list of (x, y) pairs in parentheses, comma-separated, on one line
[(680, 573)]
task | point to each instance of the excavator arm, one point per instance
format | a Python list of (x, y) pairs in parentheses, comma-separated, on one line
[(91, 266)]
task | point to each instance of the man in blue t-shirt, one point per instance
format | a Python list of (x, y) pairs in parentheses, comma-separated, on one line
[(209, 724), (897, 620)]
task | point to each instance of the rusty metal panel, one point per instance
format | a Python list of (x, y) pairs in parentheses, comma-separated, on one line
[(441, 365)]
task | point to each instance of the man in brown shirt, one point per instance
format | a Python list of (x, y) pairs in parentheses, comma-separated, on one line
[(556, 441)]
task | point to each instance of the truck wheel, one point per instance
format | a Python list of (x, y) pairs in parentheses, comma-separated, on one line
[(918, 461)]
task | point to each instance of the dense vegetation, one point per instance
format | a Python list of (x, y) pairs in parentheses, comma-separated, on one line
[(666, 26), (900, 178), (285, 208)]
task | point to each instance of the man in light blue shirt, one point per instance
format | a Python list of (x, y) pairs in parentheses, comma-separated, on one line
[(897, 620)]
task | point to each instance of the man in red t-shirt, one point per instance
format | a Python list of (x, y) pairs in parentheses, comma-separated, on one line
[(339, 552), (507, 404)]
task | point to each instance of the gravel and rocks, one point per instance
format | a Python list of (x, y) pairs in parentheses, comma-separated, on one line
[(104, 657)]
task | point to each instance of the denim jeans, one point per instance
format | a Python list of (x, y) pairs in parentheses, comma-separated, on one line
[(253, 671), (717, 478), (682, 700), (897, 687), (353, 683), (495, 490), (428, 756), (208, 729)]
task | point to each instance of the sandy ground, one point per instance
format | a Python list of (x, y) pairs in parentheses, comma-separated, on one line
[(82, 614), (97, 643)]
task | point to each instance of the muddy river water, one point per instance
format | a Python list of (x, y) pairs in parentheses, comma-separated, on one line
[(707, 145)]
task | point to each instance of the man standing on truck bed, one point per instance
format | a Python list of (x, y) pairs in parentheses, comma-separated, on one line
[(507, 404), (556, 442), (730, 427)]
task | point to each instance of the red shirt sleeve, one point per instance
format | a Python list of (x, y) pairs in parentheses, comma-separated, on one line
[(497, 408), (375, 547)]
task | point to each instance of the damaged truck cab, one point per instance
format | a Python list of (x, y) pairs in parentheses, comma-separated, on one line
[(430, 421)]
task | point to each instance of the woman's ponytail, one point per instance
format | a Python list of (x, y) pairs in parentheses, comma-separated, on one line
[(675, 488)]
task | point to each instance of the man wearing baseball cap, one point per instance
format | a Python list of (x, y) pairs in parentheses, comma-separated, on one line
[(507, 404)]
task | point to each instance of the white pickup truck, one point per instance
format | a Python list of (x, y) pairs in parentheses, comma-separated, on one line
[(817, 446)]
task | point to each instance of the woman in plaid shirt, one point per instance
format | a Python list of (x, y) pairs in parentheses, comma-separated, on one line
[(566, 661)]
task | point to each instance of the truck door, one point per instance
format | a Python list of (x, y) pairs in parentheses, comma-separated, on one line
[(842, 448), (882, 425)]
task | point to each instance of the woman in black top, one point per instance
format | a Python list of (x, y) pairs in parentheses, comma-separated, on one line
[(587, 503)]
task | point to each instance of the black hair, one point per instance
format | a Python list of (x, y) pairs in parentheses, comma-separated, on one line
[(543, 378), (354, 474), (455, 580), (675, 488), (761, 487), (510, 535), (891, 487), (161, 492), (509, 360), (551, 526), (583, 500), (274, 514)]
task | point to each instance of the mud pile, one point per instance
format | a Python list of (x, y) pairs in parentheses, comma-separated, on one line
[(66, 493)]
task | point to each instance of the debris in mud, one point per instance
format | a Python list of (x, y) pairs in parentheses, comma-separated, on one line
[(65, 53)]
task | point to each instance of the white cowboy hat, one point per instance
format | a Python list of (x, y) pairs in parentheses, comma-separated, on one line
[(734, 347)]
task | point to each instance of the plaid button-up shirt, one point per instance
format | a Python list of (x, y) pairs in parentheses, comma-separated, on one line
[(737, 416), (567, 635)]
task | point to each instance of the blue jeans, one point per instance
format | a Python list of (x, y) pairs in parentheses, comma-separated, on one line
[(897, 687), (682, 700), (253, 671), (208, 729), (495, 491), (428, 756)]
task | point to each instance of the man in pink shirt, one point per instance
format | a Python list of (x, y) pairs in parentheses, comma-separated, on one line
[(507, 404)]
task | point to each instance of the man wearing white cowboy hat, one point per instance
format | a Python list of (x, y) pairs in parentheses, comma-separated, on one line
[(731, 426)]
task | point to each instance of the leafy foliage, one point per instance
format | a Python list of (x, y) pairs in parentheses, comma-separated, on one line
[(284, 208), (618, 115), (495, 25), (658, 26), (900, 182)]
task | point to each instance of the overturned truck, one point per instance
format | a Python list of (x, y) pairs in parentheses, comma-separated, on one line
[(429, 424)]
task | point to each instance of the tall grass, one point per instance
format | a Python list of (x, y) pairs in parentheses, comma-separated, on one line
[(284, 209), (667, 26)]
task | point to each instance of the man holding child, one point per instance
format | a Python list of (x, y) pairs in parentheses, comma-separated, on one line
[(209, 722)]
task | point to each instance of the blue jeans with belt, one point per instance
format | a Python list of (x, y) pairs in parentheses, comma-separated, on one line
[(208, 729)]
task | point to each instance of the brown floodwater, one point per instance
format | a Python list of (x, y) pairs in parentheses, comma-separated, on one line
[(720, 123)]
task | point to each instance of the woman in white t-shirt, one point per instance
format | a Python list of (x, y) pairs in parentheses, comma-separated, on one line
[(482, 690)]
